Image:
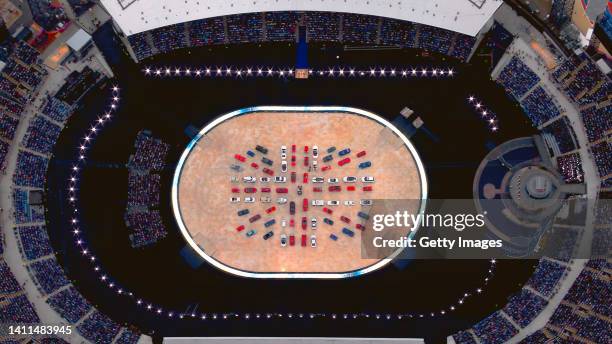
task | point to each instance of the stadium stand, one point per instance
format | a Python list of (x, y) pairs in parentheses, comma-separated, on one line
[(141, 47), (169, 38), (281, 26), (34, 242), (41, 135), (546, 277), (150, 153), (204, 32), (517, 78), (563, 133), (147, 227), (128, 337), (524, 307), (494, 329), (56, 109), (4, 148), (360, 29), (539, 107), (498, 40), (597, 120), (570, 167), (99, 328), (69, 304), (143, 190), (8, 283), (245, 28), (8, 125), (18, 310), (22, 211), (31, 170), (49, 274)]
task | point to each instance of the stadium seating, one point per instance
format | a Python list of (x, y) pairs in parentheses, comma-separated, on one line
[(563, 133), (56, 109), (49, 274), (494, 329), (141, 47), (570, 167), (546, 276), (8, 125), (31, 170), (323, 26), (10, 105), (147, 227), (150, 153), (281, 26), (245, 28), (204, 32), (396, 32), (597, 120), (4, 148), (143, 190), (524, 307), (99, 328), (169, 38), (128, 337), (539, 107), (517, 78), (22, 212), (69, 304), (34, 242), (360, 29), (602, 152), (18, 310), (464, 337), (8, 283), (41, 135), (498, 39)]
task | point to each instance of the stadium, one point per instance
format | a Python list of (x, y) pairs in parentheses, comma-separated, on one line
[(221, 171)]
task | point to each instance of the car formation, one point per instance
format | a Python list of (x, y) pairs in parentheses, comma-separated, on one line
[(296, 188)]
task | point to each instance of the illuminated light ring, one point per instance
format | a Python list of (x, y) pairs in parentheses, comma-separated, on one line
[(284, 72), (287, 275)]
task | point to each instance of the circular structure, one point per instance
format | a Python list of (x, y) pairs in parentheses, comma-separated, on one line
[(240, 222)]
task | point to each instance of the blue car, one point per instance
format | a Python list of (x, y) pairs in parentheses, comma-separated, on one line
[(328, 158), (348, 232), (269, 223), (328, 221), (268, 235), (365, 164), (363, 215), (251, 233), (344, 152), (267, 161), (333, 237), (250, 153), (243, 212), (331, 149)]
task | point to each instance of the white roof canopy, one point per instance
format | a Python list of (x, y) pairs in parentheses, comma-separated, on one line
[(78, 40)]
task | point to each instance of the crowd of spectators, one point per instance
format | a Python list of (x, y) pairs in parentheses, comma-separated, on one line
[(281, 26), (4, 148), (524, 306), (9, 89), (30, 170), (8, 125), (25, 53), (602, 241), (576, 322), (141, 47), (150, 153), (539, 107), (585, 79), (8, 283), (464, 337), (360, 29), (546, 277), (41, 135), (245, 28), (169, 38), (143, 190), (397, 32), (597, 121), (563, 133), (434, 39), (206, 32), (56, 109), (34, 242), (10, 105), (570, 167), (600, 93), (566, 67), (69, 304), (323, 26), (463, 47), (592, 289), (49, 274), (517, 78), (494, 329), (147, 227), (22, 211), (30, 77), (602, 152), (98, 328), (128, 337), (18, 310)]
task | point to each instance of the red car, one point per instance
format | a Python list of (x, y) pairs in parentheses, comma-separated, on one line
[(235, 190), (292, 222), (268, 171), (254, 165), (270, 210), (327, 210), (292, 148), (282, 190), (305, 149), (306, 161), (240, 228), (335, 188), (304, 240), (250, 190), (254, 218), (326, 168), (305, 178), (305, 204), (317, 189), (344, 161), (292, 240), (345, 219), (360, 226), (293, 177), (304, 223), (361, 154), (239, 157), (351, 188), (266, 190), (368, 188)]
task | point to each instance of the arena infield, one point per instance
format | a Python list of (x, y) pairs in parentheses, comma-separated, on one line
[(202, 189)]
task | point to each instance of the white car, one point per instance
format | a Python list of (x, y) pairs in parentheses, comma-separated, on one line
[(349, 179), (349, 203), (367, 179), (284, 166), (249, 200), (313, 222), (318, 179), (280, 179), (283, 222), (249, 179), (315, 152), (332, 180), (265, 200), (318, 202), (313, 240), (366, 202), (234, 199), (314, 165), (283, 240), (264, 179), (234, 179), (281, 200), (283, 152), (333, 202)]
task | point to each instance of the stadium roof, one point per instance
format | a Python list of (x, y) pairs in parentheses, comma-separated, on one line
[(464, 16)]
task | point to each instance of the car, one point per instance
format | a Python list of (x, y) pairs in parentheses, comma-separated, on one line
[(363, 215), (255, 165), (251, 233), (292, 240), (333, 202), (240, 228), (306, 161), (318, 179), (264, 179), (332, 180), (313, 222), (305, 149), (328, 221), (280, 179), (283, 240), (281, 200), (344, 161), (239, 157), (293, 147), (367, 179), (250, 190), (268, 235), (293, 160), (250, 153), (331, 149), (304, 222), (328, 158), (270, 210), (344, 152), (261, 149), (284, 166), (292, 208), (236, 168), (345, 219), (267, 161), (349, 203), (360, 227), (361, 154), (265, 199), (283, 152), (348, 232), (317, 189), (249, 200), (235, 190), (299, 190), (350, 188), (365, 164), (269, 223), (283, 222), (313, 241), (317, 202), (314, 165), (235, 199), (292, 223), (366, 202), (243, 212), (349, 179), (254, 218), (268, 171), (249, 179), (334, 188), (305, 204), (326, 168), (234, 179), (293, 177), (266, 190), (305, 178), (315, 152), (333, 236), (328, 211), (304, 240), (368, 188), (282, 190)]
